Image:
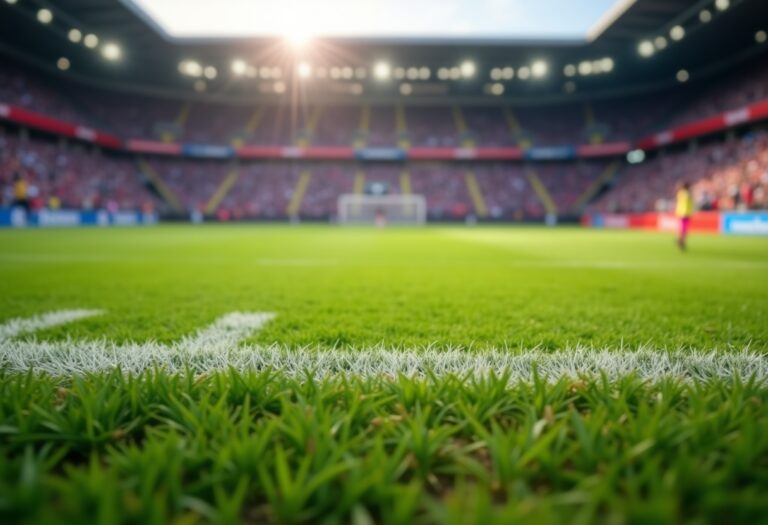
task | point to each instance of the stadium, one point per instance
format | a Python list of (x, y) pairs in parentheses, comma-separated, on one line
[(435, 262)]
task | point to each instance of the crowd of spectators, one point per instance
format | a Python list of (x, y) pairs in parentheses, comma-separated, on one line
[(724, 175), (62, 174)]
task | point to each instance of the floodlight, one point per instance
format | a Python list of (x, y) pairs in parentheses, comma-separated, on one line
[(304, 70), (677, 33), (44, 16), (111, 51), (468, 69), (646, 49), (239, 67), (91, 41), (382, 70), (63, 63), (682, 76), (75, 35), (539, 69), (585, 68)]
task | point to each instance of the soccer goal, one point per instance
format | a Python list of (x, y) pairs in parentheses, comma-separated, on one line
[(382, 209)]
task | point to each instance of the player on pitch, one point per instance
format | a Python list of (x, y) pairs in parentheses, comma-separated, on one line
[(683, 211)]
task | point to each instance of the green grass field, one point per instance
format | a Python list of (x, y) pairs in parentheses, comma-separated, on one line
[(437, 375)]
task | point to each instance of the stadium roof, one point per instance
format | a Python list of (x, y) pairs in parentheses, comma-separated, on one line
[(148, 57), (491, 20)]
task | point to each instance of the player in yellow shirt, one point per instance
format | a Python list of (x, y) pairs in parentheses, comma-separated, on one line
[(683, 211)]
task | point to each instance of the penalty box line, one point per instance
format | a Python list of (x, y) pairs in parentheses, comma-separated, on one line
[(218, 347)]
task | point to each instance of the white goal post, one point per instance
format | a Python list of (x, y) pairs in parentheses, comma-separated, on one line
[(375, 209)]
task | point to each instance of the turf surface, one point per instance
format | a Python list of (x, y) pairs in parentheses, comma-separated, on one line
[(265, 447)]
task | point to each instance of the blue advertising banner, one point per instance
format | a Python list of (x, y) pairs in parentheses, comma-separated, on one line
[(750, 223), (18, 218)]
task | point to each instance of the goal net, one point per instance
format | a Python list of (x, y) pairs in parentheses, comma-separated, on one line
[(382, 209)]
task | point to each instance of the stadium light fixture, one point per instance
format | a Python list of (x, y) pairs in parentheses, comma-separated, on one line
[(607, 64), (412, 73), (677, 33), (682, 76), (524, 73), (44, 16), (357, 88), (91, 41), (75, 35), (497, 89), (382, 71), (585, 68), (508, 73), (111, 51), (12, 2), (597, 66), (569, 70), (200, 85), (468, 69), (495, 73), (63, 63), (347, 73), (539, 69), (722, 5), (239, 67), (210, 72), (455, 73), (646, 49), (279, 87), (190, 68), (761, 36), (406, 89), (304, 70), (424, 73), (265, 72), (335, 73), (398, 73), (705, 16), (443, 73), (660, 43)]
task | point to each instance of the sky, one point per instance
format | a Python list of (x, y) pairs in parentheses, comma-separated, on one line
[(442, 19)]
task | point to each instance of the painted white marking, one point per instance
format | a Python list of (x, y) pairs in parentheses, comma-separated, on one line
[(18, 326), (217, 347), (226, 332)]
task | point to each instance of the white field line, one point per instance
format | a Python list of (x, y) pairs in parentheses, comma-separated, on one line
[(217, 348), (226, 332), (18, 326)]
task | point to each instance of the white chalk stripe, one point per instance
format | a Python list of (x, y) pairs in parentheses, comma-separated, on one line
[(227, 331), (77, 357), (23, 325)]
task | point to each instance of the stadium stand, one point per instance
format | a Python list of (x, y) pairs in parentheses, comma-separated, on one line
[(725, 175), (67, 174)]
